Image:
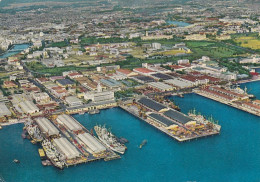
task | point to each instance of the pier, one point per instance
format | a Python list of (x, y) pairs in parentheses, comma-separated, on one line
[(228, 102), (188, 135), (66, 142)]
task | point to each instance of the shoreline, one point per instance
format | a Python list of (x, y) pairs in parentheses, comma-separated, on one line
[(248, 81), (166, 131), (228, 103)]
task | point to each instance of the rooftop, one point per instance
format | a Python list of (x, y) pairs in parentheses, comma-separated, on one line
[(151, 104), (177, 116), (161, 119)]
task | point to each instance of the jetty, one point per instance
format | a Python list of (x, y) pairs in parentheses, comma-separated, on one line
[(231, 98), (171, 122), (66, 142)]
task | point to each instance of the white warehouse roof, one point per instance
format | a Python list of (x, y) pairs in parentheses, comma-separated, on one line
[(178, 83), (160, 86), (93, 144), (69, 122), (66, 147), (29, 107), (46, 126), (4, 111)]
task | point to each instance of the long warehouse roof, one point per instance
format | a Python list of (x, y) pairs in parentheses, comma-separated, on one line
[(46, 126), (66, 147), (4, 110), (94, 145), (177, 116), (151, 104), (161, 119), (70, 122)]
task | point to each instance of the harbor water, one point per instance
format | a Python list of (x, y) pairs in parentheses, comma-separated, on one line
[(178, 23), (231, 156), (15, 50)]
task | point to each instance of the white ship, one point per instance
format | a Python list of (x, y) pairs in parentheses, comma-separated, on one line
[(109, 139)]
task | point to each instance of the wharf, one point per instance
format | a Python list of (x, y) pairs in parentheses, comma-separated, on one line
[(166, 131), (227, 103), (249, 80)]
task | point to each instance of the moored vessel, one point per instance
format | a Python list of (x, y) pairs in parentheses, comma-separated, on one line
[(109, 139)]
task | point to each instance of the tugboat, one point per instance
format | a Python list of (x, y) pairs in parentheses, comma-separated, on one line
[(143, 143), (109, 139)]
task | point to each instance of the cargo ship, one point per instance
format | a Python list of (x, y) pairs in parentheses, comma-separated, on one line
[(56, 158), (109, 139)]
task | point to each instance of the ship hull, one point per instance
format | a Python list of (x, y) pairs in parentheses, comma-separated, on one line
[(107, 144)]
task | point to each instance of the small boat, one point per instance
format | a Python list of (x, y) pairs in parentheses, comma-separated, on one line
[(0, 127), (46, 163), (95, 111), (81, 113), (42, 154), (143, 143), (16, 161)]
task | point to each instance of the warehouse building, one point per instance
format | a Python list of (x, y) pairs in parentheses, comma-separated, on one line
[(179, 83), (111, 83), (152, 104), (64, 146), (160, 119), (143, 79), (69, 122), (4, 111), (29, 107), (73, 101), (177, 116), (161, 76), (65, 83), (160, 86), (92, 143), (47, 127)]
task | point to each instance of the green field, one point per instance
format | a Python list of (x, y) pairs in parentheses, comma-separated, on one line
[(41, 69), (212, 49)]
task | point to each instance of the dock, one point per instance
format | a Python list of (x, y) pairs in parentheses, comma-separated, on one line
[(229, 103), (192, 136), (66, 142)]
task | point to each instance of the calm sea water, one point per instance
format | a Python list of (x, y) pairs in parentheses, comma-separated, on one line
[(15, 50), (232, 156)]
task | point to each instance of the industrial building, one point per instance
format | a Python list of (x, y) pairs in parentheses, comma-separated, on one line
[(41, 97), (161, 76), (92, 143), (160, 86), (111, 83), (69, 122), (29, 107), (65, 83), (4, 111), (143, 79), (179, 83), (160, 119), (99, 96), (47, 127), (177, 116), (64, 146), (152, 104), (73, 101)]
